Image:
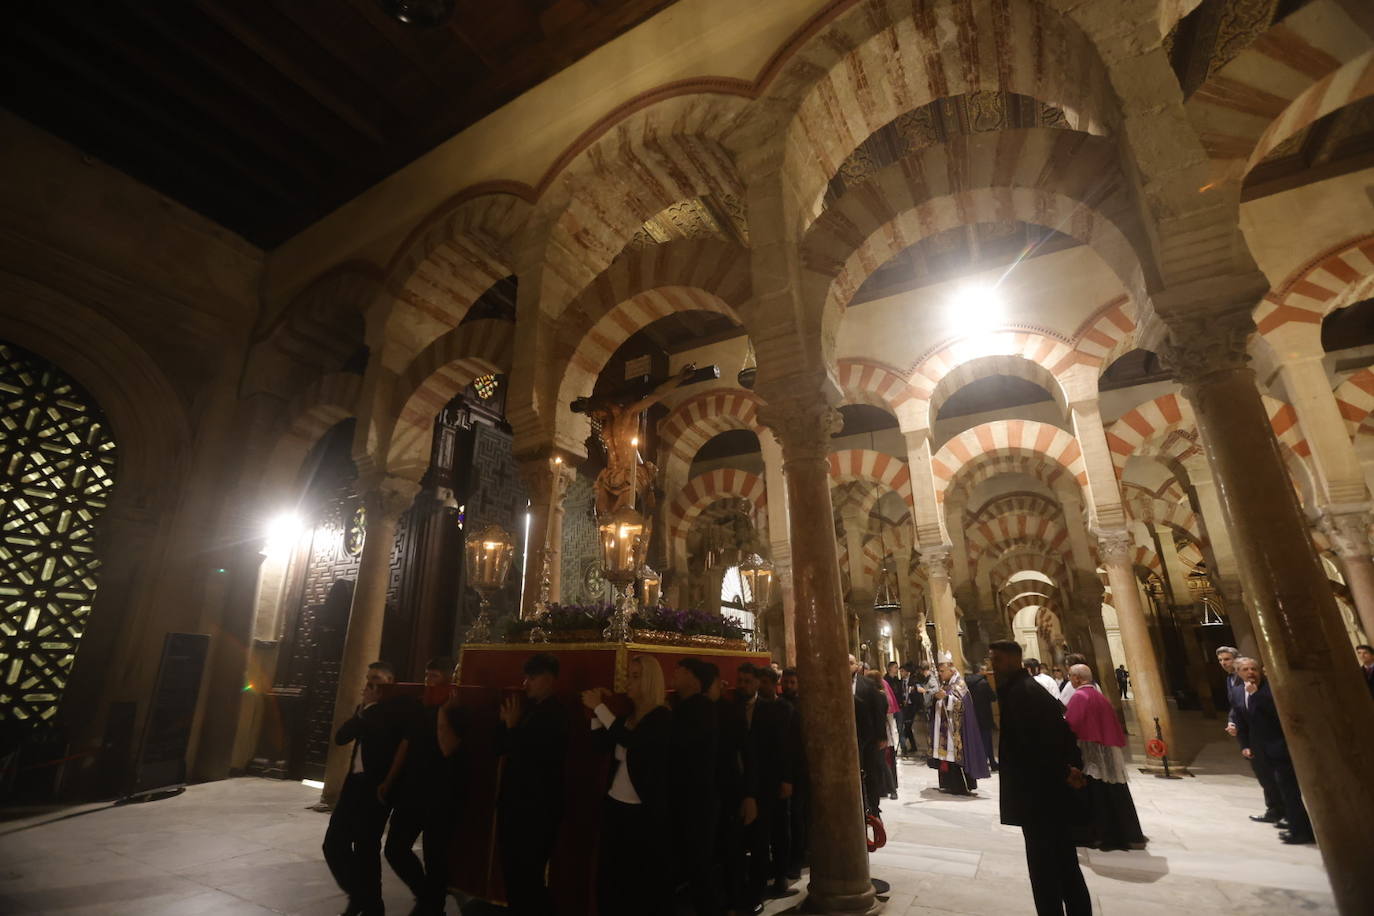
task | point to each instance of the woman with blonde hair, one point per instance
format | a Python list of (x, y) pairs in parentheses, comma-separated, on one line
[(632, 878)]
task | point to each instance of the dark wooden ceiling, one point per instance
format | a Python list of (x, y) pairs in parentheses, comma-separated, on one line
[(266, 115)]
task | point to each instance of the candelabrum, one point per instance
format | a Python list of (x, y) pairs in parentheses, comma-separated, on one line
[(619, 629), (489, 553), (756, 593), (541, 607), (622, 554)]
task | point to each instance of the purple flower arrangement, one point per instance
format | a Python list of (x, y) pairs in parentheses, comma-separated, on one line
[(569, 618)]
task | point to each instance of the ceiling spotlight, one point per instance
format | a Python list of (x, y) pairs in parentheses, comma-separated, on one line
[(977, 308), (424, 14)]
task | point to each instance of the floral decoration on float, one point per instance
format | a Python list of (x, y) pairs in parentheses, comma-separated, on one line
[(657, 625)]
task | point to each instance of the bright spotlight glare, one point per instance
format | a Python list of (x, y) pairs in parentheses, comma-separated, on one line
[(282, 531), (977, 309)]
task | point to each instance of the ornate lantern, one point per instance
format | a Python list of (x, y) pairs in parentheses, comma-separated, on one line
[(756, 592), (622, 555), (650, 586), (489, 553), (884, 601)]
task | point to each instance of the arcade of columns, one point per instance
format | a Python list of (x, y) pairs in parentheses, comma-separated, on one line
[(1220, 465)]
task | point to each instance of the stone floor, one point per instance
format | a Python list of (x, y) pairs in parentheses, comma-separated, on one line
[(247, 846)]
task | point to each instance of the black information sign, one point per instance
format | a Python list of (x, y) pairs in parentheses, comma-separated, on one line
[(167, 734)]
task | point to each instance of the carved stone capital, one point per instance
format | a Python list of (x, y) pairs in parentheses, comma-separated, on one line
[(1114, 545), (803, 426), (935, 562), (1196, 347), (1348, 533), (547, 478), (385, 498)]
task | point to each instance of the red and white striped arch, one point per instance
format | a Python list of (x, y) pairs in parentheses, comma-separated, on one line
[(866, 382), (447, 263), (1015, 365), (1107, 335), (1019, 527), (703, 490), (1149, 423), (324, 403), (697, 420), (1355, 399), (958, 362), (879, 59), (878, 468), (1339, 277), (434, 378), (1007, 437), (1316, 60), (1066, 180)]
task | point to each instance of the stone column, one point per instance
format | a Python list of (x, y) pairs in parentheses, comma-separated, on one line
[(547, 479), (1325, 708), (385, 500), (779, 525), (913, 613), (839, 854), (1088, 591), (935, 562), (1221, 556), (1147, 682), (1349, 536)]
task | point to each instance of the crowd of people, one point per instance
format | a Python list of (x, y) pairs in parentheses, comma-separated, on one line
[(720, 771)]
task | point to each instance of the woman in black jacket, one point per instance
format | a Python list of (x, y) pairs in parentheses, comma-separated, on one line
[(634, 871)]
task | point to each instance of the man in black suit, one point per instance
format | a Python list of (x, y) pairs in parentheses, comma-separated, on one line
[(692, 779), (1261, 737), (983, 697), (1235, 695), (533, 738), (870, 725), (353, 840), (1366, 656), (1041, 769), (425, 795), (774, 738)]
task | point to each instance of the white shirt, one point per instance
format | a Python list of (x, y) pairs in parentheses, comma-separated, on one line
[(622, 787), (1067, 693), (1048, 683)]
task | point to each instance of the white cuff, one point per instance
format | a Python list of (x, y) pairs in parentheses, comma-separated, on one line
[(604, 715)]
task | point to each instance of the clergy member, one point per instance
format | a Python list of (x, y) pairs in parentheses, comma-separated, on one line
[(1100, 740), (956, 742)]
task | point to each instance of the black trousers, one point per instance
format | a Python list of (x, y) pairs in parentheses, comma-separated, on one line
[(632, 877), (988, 746), (525, 839), (800, 817), (436, 823), (353, 841), (1273, 798), (1287, 781), (695, 837), (1057, 883), (770, 845), (732, 859)]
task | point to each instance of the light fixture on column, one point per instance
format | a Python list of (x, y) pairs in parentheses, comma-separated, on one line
[(489, 553), (622, 555), (756, 593), (748, 372)]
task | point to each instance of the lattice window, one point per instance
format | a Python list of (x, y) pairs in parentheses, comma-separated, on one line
[(57, 464)]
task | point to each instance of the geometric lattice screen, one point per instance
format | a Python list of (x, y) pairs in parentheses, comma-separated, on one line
[(57, 463)]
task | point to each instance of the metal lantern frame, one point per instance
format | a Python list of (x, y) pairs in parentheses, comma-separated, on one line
[(488, 553)]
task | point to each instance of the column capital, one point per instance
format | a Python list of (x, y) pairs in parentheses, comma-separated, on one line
[(548, 477), (1347, 531), (386, 497), (1198, 346), (1114, 545), (935, 561), (803, 426)]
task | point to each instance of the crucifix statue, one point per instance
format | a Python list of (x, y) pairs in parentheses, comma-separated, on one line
[(627, 480)]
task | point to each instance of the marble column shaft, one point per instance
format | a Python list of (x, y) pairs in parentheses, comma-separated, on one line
[(1325, 708), (839, 881), (1348, 533), (385, 501), (548, 479), (1089, 594), (1147, 681), (935, 562)]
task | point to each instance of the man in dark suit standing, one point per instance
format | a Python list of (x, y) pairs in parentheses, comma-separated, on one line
[(870, 723), (983, 698), (1235, 696), (1261, 738), (801, 787), (692, 777), (353, 840), (1041, 769), (533, 738), (775, 740), (1366, 656)]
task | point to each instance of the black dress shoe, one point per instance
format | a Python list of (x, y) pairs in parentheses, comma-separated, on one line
[(1265, 818), (1281, 823), (1292, 839)]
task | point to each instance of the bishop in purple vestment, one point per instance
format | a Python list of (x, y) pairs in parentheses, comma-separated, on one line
[(956, 742)]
